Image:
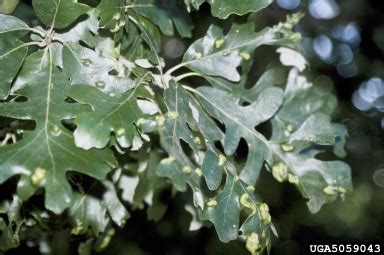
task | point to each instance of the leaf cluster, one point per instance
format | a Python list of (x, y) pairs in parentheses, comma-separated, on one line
[(96, 124)]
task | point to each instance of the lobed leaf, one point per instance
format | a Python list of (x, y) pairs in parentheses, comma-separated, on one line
[(87, 211), (48, 152), (110, 113), (223, 8), (12, 51), (162, 13), (240, 123), (59, 13), (220, 55)]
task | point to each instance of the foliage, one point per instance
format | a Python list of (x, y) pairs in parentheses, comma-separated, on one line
[(88, 104)]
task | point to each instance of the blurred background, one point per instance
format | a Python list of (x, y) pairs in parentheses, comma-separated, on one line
[(344, 43)]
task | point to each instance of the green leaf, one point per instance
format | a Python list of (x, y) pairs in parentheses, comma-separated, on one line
[(157, 207), (286, 159), (240, 123), (301, 123), (149, 33), (319, 181), (8, 6), (87, 211), (10, 231), (224, 209), (194, 3), (94, 64), (126, 21), (86, 30), (10, 23), (150, 187), (212, 169), (74, 90), (301, 101), (46, 153), (109, 12), (163, 13), (265, 81), (181, 176), (168, 168), (223, 8), (220, 55), (317, 129), (127, 25), (175, 126), (225, 214), (12, 54), (12, 51), (59, 13), (85, 248), (115, 208), (111, 113)]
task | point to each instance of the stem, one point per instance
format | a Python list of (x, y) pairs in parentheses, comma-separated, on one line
[(55, 38), (194, 91), (175, 68), (36, 31), (183, 76)]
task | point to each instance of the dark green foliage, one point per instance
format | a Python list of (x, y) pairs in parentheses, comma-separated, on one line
[(107, 116)]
